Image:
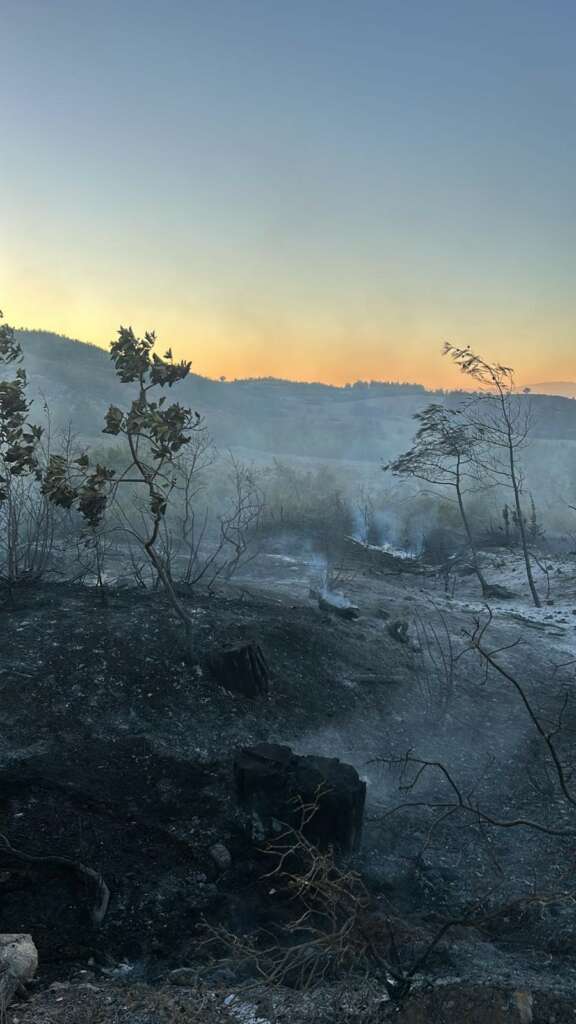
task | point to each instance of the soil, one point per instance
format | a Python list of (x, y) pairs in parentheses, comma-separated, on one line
[(82, 1002), (116, 750)]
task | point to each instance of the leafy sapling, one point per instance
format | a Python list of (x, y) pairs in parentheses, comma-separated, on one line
[(155, 434)]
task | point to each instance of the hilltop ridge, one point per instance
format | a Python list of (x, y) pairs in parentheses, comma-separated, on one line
[(560, 388), (368, 421)]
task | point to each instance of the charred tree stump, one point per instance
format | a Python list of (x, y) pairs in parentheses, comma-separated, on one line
[(241, 669), (273, 784)]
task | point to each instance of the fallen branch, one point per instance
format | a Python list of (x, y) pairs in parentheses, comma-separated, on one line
[(65, 864)]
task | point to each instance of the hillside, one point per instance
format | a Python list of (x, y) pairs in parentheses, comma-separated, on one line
[(562, 388), (366, 422)]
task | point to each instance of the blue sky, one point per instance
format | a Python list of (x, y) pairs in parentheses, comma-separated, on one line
[(310, 189)]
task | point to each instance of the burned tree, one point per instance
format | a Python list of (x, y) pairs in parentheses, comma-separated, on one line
[(502, 419), (444, 453)]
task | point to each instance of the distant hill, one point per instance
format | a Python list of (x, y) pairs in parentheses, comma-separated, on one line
[(366, 422), (563, 388)]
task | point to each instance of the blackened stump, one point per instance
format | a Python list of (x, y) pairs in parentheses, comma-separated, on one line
[(241, 670), (272, 783)]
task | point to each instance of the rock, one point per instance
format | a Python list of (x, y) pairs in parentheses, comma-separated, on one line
[(221, 856), (18, 963), (241, 669), (272, 783)]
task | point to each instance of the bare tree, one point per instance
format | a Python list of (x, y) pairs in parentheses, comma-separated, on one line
[(206, 538), (502, 419), (27, 527), (242, 515), (364, 516)]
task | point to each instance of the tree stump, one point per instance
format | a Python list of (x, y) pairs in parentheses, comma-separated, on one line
[(273, 783), (241, 669)]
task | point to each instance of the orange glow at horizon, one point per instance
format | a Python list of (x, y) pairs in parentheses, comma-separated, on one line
[(294, 348)]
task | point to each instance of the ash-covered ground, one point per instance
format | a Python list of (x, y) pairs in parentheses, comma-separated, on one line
[(117, 752)]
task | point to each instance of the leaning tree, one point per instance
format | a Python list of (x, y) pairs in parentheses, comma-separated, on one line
[(444, 453), (502, 418)]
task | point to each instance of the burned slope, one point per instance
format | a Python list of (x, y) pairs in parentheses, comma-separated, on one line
[(468, 820), (117, 753)]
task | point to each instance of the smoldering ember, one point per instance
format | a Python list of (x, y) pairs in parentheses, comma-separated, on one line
[(284, 736)]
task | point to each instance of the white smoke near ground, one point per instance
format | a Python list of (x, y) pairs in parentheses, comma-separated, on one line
[(361, 531), (405, 539)]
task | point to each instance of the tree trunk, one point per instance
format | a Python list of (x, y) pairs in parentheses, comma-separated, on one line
[(177, 605), (521, 526), (470, 536), (524, 542)]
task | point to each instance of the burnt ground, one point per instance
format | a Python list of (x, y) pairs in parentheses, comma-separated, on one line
[(117, 752)]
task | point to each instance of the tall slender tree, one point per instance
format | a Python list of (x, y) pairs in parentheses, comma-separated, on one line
[(502, 418)]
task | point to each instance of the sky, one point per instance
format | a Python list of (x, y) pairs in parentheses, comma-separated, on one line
[(315, 189)]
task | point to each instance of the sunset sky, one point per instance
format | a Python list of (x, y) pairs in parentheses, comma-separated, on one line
[(315, 189)]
